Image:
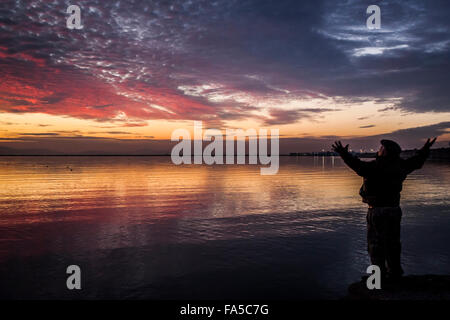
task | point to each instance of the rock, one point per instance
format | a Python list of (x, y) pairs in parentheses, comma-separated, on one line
[(412, 287)]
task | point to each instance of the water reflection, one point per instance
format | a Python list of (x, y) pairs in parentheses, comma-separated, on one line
[(144, 228)]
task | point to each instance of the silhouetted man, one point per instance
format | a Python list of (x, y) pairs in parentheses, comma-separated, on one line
[(383, 179)]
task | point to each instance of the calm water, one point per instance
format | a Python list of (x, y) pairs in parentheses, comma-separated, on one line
[(141, 227)]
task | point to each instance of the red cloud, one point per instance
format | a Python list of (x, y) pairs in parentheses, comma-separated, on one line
[(21, 56), (29, 85)]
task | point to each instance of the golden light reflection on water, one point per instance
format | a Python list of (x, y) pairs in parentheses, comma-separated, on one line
[(135, 224), (43, 188)]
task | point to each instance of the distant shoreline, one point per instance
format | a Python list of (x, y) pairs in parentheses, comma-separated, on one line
[(440, 153)]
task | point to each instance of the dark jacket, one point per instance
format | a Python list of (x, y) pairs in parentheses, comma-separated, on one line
[(383, 177)]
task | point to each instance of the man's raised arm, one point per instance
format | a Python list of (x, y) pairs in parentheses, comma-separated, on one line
[(416, 162), (360, 167)]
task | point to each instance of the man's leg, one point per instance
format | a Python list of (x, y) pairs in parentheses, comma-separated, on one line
[(375, 241), (393, 251)]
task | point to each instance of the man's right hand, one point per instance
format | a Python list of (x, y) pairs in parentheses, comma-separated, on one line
[(428, 144), (339, 148)]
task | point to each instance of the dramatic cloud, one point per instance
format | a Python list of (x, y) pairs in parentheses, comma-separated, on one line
[(278, 116), (220, 60), (71, 143), (410, 138)]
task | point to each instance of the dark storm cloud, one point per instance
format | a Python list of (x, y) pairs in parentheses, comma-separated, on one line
[(163, 53), (406, 59)]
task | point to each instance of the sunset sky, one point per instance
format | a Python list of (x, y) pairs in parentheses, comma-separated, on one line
[(140, 69)]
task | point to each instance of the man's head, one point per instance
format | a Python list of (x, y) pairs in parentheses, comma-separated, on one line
[(389, 148)]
